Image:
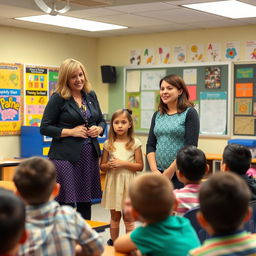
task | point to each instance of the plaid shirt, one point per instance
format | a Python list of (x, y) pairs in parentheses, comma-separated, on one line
[(54, 230)]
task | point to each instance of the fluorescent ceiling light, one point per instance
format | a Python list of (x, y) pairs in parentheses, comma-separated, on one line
[(70, 22), (231, 8)]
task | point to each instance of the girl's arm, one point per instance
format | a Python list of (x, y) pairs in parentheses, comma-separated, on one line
[(104, 163), (137, 166)]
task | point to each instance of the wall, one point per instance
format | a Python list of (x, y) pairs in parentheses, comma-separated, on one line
[(34, 47), (116, 51)]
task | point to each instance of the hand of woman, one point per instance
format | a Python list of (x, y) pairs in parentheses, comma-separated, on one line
[(79, 131), (94, 131)]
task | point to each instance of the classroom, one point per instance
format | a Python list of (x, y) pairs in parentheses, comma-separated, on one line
[(154, 28), (48, 48)]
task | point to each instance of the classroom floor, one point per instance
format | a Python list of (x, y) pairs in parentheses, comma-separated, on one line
[(100, 214)]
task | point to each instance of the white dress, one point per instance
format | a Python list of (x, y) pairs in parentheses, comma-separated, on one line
[(117, 181)]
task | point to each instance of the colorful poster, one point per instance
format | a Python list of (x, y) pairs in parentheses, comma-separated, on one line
[(250, 50), (212, 77), (163, 55), (36, 94), (148, 57), (135, 57), (11, 91), (232, 51), (53, 78), (214, 52), (179, 54), (244, 89), (243, 106), (196, 53), (244, 73)]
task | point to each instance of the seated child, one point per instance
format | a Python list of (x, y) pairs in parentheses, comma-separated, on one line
[(237, 158), (224, 200), (151, 202), (191, 168), (52, 229), (12, 222)]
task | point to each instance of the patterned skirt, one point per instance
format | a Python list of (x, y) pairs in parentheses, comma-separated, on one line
[(79, 181)]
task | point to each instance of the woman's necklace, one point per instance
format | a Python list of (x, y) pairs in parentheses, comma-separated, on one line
[(79, 103)]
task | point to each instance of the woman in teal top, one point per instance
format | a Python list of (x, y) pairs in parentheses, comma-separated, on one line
[(173, 126)]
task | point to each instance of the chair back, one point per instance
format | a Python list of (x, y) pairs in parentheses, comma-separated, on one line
[(201, 233), (250, 225)]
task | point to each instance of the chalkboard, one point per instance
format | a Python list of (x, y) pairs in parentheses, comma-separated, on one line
[(209, 86)]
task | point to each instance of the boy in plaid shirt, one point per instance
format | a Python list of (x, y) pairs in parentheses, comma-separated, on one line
[(52, 229)]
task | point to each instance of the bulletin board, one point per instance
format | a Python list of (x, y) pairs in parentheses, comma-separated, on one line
[(244, 99), (209, 86)]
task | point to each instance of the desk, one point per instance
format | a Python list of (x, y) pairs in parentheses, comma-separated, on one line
[(7, 168), (8, 185), (110, 251), (98, 225), (214, 161)]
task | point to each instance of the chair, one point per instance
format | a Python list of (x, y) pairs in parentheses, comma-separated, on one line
[(250, 225), (201, 233)]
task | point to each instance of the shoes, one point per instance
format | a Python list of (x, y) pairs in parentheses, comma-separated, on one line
[(110, 242)]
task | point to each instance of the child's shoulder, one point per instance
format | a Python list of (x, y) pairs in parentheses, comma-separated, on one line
[(137, 142)]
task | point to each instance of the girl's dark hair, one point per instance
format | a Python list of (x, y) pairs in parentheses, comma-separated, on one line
[(183, 100)]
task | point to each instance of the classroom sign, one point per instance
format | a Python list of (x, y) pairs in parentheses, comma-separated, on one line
[(36, 94), (11, 108)]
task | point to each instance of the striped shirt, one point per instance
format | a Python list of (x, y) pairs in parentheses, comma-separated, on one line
[(54, 230), (241, 243), (187, 198)]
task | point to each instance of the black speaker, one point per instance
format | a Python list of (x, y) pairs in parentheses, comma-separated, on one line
[(108, 74)]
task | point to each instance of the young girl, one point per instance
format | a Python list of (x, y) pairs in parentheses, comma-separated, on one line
[(122, 158)]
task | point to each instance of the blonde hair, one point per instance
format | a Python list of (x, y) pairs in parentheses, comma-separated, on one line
[(67, 67), (112, 134)]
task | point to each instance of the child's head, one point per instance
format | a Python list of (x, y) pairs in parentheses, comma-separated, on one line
[(236, 158), (12, 222), (121, 125), (191, 163), (152, 197), (35, 179), (224, 200)]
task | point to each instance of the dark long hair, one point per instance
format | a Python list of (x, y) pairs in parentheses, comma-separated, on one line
[(183, 100)]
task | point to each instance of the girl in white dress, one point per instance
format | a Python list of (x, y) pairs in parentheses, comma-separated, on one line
[(121, 159)]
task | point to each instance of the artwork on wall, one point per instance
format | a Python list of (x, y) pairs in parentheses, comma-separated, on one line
[(214, 52), (11, 98), (164, 55), (232, 50), (212, 77)]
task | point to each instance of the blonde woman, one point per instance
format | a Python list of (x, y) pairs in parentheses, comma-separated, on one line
[(74, 120)]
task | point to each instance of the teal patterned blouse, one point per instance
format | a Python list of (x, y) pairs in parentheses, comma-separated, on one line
[(169, 133)]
